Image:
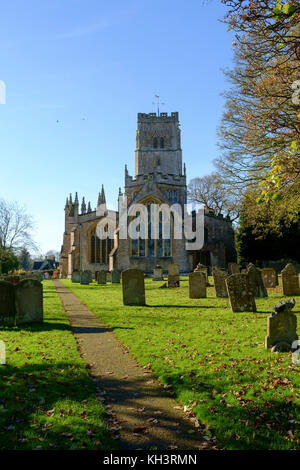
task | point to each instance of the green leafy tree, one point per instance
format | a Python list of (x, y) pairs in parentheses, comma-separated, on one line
[(25, 260)]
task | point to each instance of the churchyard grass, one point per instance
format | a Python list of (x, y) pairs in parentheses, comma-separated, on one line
[(212, 360), (47, 399)]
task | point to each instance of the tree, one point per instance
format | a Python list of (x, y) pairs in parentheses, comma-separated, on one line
[(16, 227), (260, 129), (211, 191), (9, 261), (25, 259)]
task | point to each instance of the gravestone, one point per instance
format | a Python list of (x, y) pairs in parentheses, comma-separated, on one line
[(220, 276), (85, 278), (173, 275), (76, 276), (133, 286), (282, 327), (108, 276), (7, 304), (29, 301), (115, 276), (197, 285), (240, 293), (234, 268), (13, 279), (101, 277), (290, 280), (158, 273), (256, 282), (269, 277)]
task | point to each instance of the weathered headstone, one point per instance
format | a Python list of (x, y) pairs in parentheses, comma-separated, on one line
[(29, 301), (108, 276), (282, 327), (133, 285), (7, 304), (240, 293), (101, 277), (290, 280), (115, 276), (85, 278), (76, 276), (269, 277), (220, 276), (256, 282), (173, 275), (197, 285), (234, 268), (158, 273)]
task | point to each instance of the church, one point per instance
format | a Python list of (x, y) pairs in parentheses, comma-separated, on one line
[(160, 178)]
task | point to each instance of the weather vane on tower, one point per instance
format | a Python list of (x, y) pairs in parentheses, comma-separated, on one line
[(158, 103)]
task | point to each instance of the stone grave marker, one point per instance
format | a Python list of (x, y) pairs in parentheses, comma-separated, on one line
[(76, 276), (158, 273), (269, 277), (115, 276), (240, 293), (234, 268), (282, 327), (29, 301), (108, 276), (197, 285), (85, 278), (256, 282), (173, 275), (290, 280), (101, 277), (220, 276), (133, 286), (7, 304)]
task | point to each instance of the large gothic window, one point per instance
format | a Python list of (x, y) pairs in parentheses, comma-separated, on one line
[(99, 249), (148, 247), (155, 142), (162, 142)]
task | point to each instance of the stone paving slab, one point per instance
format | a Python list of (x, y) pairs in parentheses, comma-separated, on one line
[(140, 411)]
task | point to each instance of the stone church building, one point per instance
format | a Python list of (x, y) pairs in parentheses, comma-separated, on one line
[(159, 178)]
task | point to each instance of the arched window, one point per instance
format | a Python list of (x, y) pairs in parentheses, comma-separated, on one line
[(150, 247), (155, 142), (162, 142), (99, 249)]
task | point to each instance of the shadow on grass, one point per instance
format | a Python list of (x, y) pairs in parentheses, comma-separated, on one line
[(32, 398)]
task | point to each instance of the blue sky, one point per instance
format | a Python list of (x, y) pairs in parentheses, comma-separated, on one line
[(93, 65)]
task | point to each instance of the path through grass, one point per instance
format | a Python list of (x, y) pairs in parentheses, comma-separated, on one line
[(213, 359)]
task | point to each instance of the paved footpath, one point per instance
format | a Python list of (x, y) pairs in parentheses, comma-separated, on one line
[(140, 412)]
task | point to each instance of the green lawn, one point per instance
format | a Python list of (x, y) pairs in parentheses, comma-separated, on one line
[(47, 399), (213, 359)]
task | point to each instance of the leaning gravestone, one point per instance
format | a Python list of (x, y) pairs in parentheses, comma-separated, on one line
[(115, 276), (290, 280), (173, 275), (197, 285), (85, 278), (158, 273), (220, 277), (256, 282), (282, 327), (101, 277), (76, 276), (29, 301), (234, 268), (7, 304), (133, 287), (240, 293), (269, 277)]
